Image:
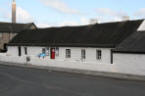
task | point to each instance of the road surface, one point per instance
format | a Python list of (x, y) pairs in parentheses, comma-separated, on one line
[(16, 81)]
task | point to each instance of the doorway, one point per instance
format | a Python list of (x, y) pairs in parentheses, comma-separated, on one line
[(19, 50), (52, 53)]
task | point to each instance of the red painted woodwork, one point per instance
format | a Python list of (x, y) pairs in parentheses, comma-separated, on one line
[(52, 53)]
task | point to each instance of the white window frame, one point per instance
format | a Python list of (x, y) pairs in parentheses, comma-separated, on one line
[(98, 54)]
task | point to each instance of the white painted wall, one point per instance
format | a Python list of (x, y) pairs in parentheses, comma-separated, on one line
[(130, 63), (123, 63), (142, 26), (12, 51), (75, 54)]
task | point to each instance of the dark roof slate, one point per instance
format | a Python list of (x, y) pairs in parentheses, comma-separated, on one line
[(134, 43), (14, 27), (98, 35)]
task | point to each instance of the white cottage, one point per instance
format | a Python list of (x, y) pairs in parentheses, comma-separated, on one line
[(110, 47)]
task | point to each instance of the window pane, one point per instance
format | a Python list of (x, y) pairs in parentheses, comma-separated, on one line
[(47, 51), (43, 50), (25, 49), (68, 53), (83, 54), (98, 54), (57, 51)]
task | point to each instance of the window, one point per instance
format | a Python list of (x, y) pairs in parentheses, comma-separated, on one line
[(25, 50), (57, 51), (98, 54), (48, 51), (68, 53), (43, 50), (83, 54)]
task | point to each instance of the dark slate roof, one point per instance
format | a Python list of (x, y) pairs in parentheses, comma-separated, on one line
[(134, 43), (97, 35), (14, 27)]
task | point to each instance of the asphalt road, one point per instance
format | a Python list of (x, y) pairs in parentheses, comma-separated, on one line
[(15, 81)]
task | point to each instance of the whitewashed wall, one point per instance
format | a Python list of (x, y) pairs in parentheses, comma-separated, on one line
[(12, 51), (75, 54), (123, 63), (142, 26), (129, 63)]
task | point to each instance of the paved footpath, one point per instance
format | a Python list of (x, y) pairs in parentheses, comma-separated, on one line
[(16, 81)]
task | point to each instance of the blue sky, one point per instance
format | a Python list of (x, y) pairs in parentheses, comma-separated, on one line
[(71, 12)]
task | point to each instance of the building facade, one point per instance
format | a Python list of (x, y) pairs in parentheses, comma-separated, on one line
[(71, 54), (116, 47)]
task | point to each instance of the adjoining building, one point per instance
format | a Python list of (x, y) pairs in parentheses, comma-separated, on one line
[(111, 47), (10, 30)]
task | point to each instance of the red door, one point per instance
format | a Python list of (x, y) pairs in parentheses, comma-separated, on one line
[(52, 53)]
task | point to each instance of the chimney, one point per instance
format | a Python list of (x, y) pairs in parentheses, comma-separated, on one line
[(125, 18), (93, 21), (13, 11)]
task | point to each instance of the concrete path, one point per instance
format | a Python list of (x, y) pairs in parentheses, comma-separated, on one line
[(16, 81)]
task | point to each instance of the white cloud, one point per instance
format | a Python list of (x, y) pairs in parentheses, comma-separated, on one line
[(23, 15), (68, 23), (64, 23), (4, 13), (106, 14), (43, 25), (110, 12), (140, 13), (82, 21), (59, 5)]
